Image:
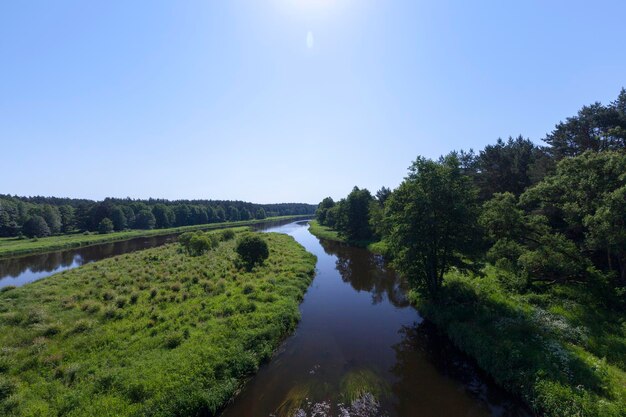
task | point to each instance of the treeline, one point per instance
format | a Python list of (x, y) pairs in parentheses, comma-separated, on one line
[(43, 216), (543, 215)]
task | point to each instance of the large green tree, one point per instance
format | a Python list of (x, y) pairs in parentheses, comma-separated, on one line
[(433, 217), (595, 127), (353, 221)]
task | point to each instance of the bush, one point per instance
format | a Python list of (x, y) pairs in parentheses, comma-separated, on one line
[(227, 235), (252, 250), (199, 243)]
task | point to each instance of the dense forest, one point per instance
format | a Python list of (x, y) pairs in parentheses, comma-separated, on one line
[(518, 252), (44, 216), (551, 214)]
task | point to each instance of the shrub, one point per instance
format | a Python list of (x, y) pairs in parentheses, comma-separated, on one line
[(199, 243), (227, 235), (252, 250)]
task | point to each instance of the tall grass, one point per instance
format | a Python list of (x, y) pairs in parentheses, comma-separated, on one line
[(151, 333)]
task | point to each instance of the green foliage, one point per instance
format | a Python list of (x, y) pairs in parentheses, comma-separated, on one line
[(562, 352), (184, 346), (260, 214), (595, 128), (15, 246), (145, 220), (433, 217), (36, 226), (64, 215), (227, 235), (105, 226), (353, 215), (199, 243), (322, 210), (252, 250)]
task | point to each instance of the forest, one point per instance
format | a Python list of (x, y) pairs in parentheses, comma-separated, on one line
[(518, 253), (46, 216)]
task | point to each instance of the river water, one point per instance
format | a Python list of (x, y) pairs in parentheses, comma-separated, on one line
[(24, 269), (361, 350)]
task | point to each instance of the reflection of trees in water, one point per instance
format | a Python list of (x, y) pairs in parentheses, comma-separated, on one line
[(366, 272), (424, 343), (50, 262)]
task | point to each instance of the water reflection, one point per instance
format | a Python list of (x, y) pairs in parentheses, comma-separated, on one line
[(24, 269), (365, 271), (423, 355), (361, 350)]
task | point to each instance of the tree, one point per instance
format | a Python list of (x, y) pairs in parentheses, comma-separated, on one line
[(9, 216), (52, 217), (145, 219), (183, 215), (105, 226), (129, 213), (606, 231), (382, 195), (595, 128), (524, 245), (252, 250), (244, 214), (260, 214), (164, 216), (36, 226), (353, 221), (220, 214), (505, 167), (118, 218), (68, 219), (233, 214), (322, 210), (433, 216)]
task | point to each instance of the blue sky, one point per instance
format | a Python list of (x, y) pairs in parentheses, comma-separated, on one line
[(283, 100)]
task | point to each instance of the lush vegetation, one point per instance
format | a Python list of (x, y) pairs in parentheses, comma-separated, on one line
[(157, 332), (519, 253), (45, 216), (252, 250), (16, 246)]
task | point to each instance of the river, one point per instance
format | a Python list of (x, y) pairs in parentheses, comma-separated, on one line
[(359, 335)]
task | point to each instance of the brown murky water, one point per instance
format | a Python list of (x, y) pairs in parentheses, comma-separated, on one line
[(362, 350)]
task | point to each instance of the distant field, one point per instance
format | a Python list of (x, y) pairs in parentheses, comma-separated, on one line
[(15, 247), (155, 332)]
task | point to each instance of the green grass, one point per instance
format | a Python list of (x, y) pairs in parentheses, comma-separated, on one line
[(150, 333), (324, 232), (10, 247), (561, 351)]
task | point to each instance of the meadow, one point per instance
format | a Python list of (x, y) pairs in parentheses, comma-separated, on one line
[(150, 333), (14, 246)]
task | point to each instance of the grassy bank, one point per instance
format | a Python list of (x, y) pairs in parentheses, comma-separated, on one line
[(562, 351), (154, 332), (10, 247), (324, 232)]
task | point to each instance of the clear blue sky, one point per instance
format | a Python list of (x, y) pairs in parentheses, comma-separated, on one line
[(283, 100)]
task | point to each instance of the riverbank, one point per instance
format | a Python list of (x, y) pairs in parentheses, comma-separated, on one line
[(562, 351), (12, 247), (153, 332), (324, 232)]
